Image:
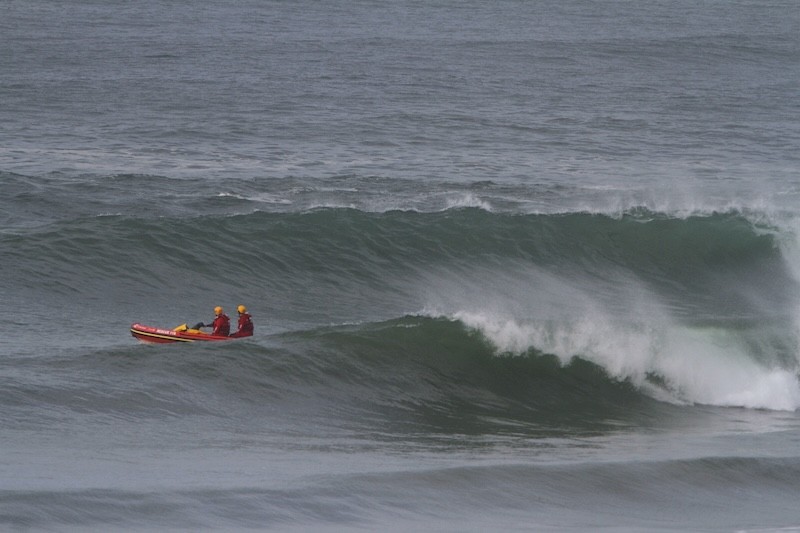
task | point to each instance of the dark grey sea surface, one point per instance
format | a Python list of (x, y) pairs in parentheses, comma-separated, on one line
[(515, 265)]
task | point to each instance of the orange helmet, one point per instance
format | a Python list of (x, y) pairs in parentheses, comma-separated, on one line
[(217, 310), (241, 309)]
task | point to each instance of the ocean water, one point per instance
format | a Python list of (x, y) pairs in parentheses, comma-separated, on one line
[(514, 265)]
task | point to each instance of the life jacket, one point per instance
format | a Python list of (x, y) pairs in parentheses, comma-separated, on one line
[(245, 326), (221, 325)]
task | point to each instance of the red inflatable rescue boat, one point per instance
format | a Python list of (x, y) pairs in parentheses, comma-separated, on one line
[(179, 334)]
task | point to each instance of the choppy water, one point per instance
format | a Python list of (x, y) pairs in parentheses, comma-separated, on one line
[(518, 265)]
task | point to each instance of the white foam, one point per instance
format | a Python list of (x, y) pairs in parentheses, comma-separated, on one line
[(467, 200), (697, 366), (703, 365), (623, 328)]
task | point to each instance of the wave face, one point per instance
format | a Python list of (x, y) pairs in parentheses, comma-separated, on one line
[(696, 308)]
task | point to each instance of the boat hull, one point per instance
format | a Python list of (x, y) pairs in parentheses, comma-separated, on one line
[(165, 336)]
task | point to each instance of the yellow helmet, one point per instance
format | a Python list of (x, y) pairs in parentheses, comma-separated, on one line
[(241, 309), (217, 310)]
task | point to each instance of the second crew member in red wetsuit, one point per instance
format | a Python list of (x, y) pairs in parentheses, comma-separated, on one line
[(245, 323)]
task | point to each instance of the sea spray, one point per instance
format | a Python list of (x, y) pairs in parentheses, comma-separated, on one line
[(671, 362)]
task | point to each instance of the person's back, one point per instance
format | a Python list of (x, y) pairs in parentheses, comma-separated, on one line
[(221, 324), (245, 326)]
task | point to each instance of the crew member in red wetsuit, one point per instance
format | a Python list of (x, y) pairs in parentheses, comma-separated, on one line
[(245, 323), (221, 324)]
